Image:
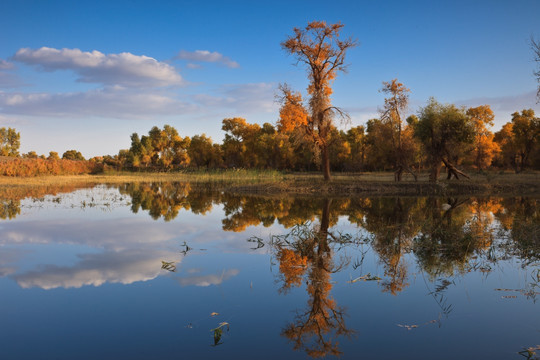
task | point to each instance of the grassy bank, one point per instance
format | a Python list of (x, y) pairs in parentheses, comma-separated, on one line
[(270, 182)]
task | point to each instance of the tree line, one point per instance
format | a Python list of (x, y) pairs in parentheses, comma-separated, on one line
[(439, 135), (305, 137)]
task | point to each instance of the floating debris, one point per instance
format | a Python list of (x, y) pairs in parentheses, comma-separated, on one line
[(367, 277), (529, 294), (169, 266), (186, 249), (258, 240), (530, 352), (414, 326), (408, 327)]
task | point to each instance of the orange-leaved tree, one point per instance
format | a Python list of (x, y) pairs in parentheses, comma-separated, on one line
[(484, 146), (319, 47)]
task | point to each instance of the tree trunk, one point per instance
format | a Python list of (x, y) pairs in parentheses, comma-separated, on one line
[(397, 173), (452, 170), (435, 169), (325, 162), (325, 224)]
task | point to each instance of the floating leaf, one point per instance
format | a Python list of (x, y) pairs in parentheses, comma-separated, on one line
[(218, 332)]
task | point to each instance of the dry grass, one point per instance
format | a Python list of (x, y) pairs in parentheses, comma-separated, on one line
[(305, 183)]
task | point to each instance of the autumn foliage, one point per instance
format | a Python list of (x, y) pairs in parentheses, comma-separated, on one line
[(35, 167)]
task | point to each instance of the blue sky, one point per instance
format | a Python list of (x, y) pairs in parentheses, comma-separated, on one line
[(86, 75)]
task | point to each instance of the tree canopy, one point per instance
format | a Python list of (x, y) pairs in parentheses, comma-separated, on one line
[(319, 48)]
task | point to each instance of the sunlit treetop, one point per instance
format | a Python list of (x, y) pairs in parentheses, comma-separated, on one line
[(319, 47)]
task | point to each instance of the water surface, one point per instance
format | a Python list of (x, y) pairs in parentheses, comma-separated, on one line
[(171, 270)]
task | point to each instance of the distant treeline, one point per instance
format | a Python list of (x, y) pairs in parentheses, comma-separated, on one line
[(461, 136), (468, 143)]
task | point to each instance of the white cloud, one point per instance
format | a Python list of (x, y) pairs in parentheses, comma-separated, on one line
[(124, 69), (511, 103), (242, 98), (109, 102), (194, 66), (207, 56), (125, 103), (7, 79), (504, 106), (5, 65)]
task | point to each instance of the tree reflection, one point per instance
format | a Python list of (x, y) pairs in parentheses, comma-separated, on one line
[(520, 219), (394, 222), (166, 199), (307, 251), (446, 236), (9, 209), (444, 244), (159, 199)]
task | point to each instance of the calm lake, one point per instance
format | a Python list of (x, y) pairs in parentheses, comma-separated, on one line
[(179, 271)]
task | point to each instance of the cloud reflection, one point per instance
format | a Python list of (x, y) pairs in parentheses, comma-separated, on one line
[(207, 280), (124, 267)]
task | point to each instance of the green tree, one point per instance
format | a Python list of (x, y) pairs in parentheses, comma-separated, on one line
[(53, 155), (202, 152), (72, 155), (380, 153), (319, 48), (356, 138), (31, 155), (240, 143), (526, 131), (442, 129), (394, 107), (10, 141)]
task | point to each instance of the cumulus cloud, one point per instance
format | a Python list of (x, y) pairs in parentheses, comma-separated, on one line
[(207, 56), (124, 69), (110, 102)]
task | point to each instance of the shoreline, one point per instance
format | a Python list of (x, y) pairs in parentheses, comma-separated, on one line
[(261, 183)]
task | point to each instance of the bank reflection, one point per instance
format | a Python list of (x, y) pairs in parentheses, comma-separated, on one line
[(11, 196)]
